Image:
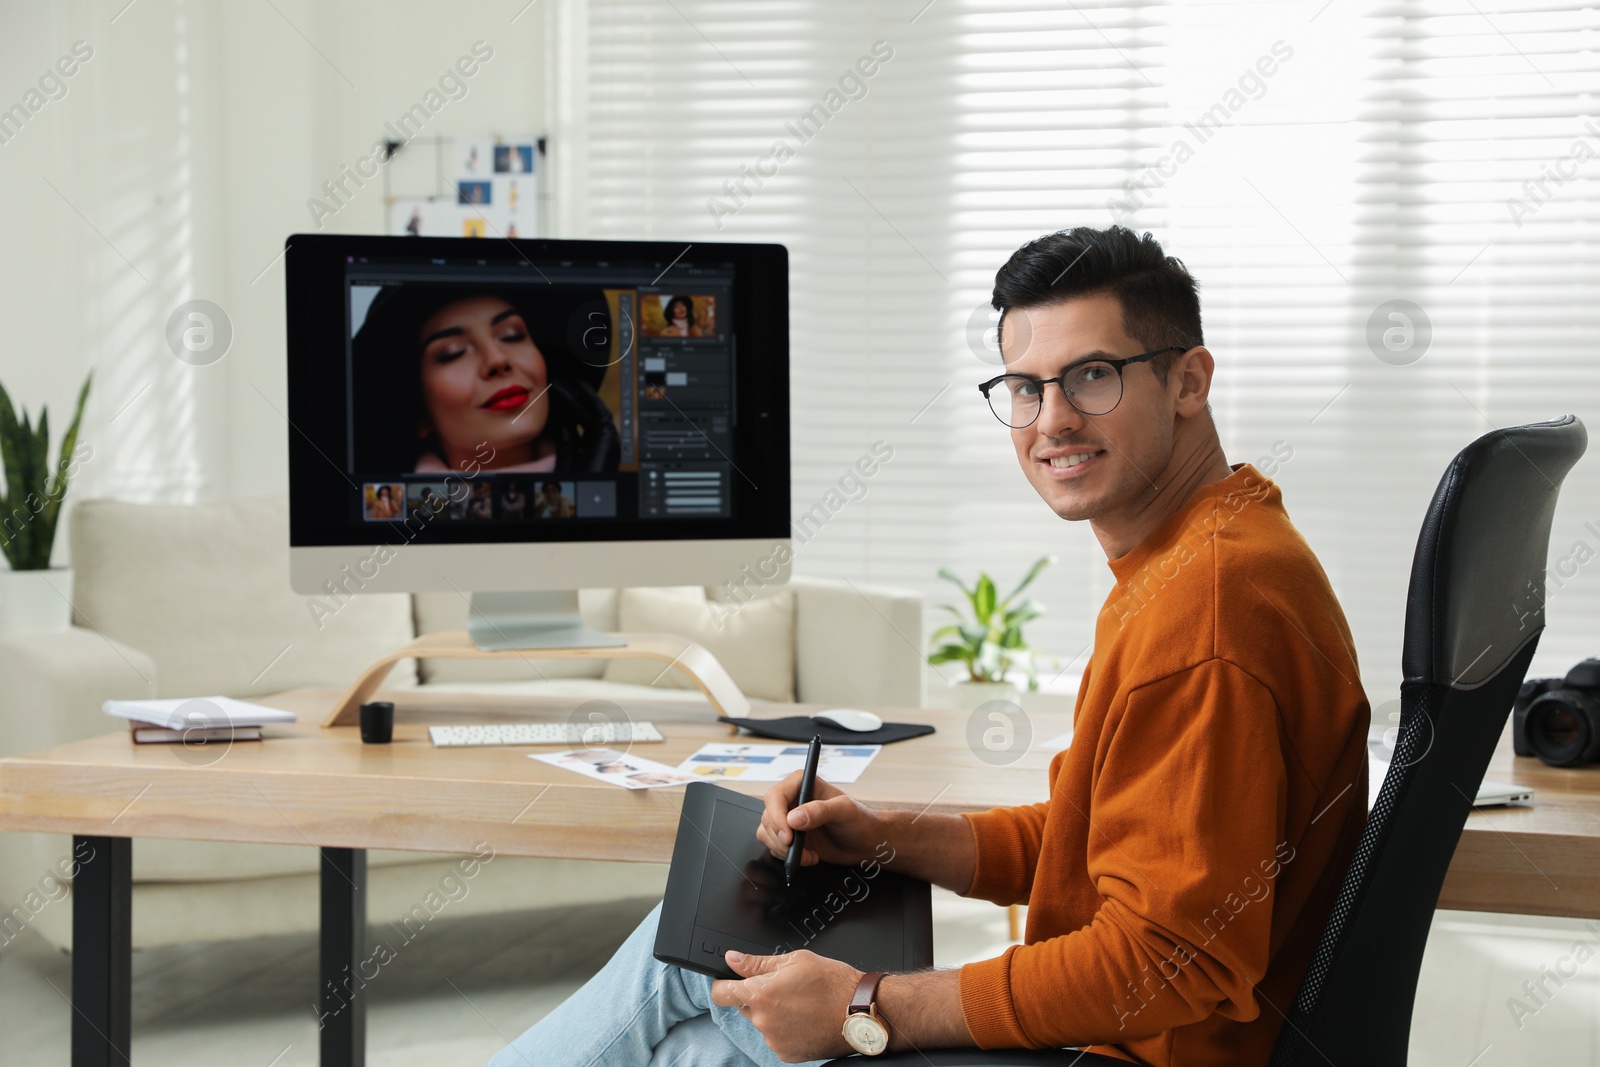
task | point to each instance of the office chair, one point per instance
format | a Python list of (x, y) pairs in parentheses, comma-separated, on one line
[(1474, 613)]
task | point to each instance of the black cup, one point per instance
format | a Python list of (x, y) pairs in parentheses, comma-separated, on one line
[(377, 722)]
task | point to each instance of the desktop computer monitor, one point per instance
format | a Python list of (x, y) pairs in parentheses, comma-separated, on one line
[(518, 419)]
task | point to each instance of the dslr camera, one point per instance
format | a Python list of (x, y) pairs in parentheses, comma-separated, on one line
[(1558, 719)]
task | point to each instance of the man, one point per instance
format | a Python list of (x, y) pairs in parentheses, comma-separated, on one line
[(553, 504), (1198, 825)]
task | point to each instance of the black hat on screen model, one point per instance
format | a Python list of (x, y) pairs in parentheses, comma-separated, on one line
[(570, 325)]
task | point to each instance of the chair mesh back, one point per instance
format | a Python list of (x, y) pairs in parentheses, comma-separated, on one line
[(1410, 746), (1354, 1004), (1490, 516)]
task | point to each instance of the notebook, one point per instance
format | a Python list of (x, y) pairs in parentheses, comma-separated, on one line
[(187, 713)]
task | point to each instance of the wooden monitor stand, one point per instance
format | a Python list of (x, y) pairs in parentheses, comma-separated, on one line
[(674, 652)]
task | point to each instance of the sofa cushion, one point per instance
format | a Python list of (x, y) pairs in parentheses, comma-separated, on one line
[(203, 590), (855, 646), (753, 640)]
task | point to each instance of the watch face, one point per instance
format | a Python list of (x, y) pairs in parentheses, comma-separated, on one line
[(865, 1034)]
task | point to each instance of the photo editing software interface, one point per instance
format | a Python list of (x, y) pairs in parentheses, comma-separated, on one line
[(499, 394)]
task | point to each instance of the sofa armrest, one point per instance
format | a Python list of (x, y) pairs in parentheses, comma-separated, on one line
[(55, 683), (857, 645)]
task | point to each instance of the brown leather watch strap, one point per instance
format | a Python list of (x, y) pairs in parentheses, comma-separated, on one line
[(866, 992)]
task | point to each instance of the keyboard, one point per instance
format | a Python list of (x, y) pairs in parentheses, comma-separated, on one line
[(574, 734)]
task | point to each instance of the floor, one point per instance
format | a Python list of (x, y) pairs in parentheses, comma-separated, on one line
[(1474, 1004), (467, 985)]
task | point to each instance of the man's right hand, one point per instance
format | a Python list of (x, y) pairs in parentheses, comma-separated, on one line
[(838, 829), (928, 845)]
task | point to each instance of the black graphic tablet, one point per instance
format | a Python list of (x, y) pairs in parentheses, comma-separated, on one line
[(725, 891)]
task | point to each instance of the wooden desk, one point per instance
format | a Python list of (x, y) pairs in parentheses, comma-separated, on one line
[(1537, 859), (309, 785), (305, 785)]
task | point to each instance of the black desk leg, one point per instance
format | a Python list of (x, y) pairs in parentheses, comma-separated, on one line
[(102, 950), (342, 1006)]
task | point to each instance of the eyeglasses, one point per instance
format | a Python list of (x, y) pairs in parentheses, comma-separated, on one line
[(1093, 386)]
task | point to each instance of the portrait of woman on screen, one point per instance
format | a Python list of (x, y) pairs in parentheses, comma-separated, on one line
[(460, 377)]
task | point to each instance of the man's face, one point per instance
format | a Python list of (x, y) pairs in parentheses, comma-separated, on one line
[(1125, 449)]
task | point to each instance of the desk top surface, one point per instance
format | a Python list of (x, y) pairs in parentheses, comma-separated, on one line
[(307, 785)]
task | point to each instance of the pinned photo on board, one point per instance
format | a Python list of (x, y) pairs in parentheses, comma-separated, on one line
[(430, 216), (513, 159)]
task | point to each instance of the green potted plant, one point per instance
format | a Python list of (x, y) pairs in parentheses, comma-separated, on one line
[(987, 637), (33, 596)]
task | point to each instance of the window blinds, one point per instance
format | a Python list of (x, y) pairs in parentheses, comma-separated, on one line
[(1321, 169)]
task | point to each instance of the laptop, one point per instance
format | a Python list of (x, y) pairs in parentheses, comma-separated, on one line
[(1490, 794)]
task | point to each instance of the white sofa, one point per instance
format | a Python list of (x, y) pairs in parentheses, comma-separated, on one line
[(194, 600)]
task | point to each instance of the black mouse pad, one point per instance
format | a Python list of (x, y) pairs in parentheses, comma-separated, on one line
[(725, 891), (802, 728)]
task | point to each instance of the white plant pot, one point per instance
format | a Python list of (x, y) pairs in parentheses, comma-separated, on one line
[(35, 601)]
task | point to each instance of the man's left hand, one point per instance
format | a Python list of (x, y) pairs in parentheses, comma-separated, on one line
[(797, 1000)]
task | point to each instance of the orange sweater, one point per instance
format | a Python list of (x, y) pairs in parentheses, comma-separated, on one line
[(1197, 829)]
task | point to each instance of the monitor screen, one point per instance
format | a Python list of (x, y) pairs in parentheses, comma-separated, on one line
[(462, 391)]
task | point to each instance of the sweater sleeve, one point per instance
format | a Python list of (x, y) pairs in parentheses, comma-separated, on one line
[(1006, 841), (1185, 838)]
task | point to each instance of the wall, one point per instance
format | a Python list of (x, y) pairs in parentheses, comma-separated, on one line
[(170, 166)]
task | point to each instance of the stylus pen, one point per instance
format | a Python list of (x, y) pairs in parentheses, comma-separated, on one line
[(808, 786)]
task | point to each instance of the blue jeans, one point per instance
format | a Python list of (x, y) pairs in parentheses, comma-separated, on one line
[(639, 1012)]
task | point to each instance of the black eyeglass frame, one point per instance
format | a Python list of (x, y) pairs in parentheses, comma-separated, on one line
[(1061, 383)]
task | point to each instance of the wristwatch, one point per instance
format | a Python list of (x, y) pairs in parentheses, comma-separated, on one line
[(864, 1029)]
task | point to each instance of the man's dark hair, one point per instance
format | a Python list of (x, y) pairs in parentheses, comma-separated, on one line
[(1160, 298)]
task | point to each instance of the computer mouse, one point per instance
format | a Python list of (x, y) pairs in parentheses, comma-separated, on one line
[(862, 722)]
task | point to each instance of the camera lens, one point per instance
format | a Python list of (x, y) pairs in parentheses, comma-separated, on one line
[(1564, 728)]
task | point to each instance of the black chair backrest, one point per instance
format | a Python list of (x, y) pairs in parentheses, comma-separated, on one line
[(1473, 618)]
